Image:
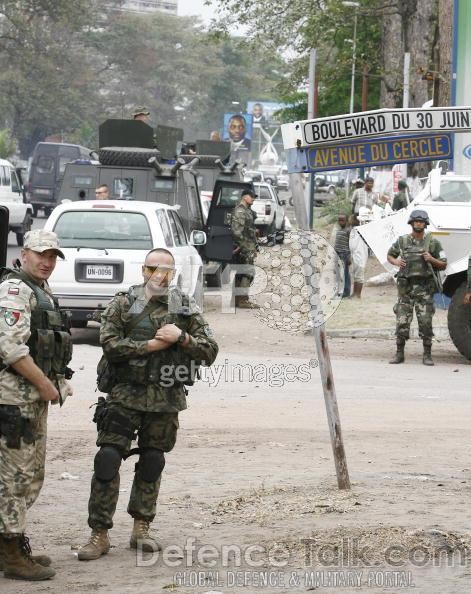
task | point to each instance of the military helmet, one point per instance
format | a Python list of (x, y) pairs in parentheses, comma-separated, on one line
[(418, 215)]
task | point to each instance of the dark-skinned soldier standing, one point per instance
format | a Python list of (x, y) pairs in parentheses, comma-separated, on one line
[(417, 255), (152, 336), (245, 246)]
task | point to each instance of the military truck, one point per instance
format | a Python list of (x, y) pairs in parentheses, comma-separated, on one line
[(132, 166), (447, 200)]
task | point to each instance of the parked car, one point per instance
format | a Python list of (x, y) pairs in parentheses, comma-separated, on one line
[(270, 212), (105, 243), (11, 196), (282, 180), (253, 175)]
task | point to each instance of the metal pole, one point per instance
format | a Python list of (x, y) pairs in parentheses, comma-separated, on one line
[(405, 95), (325, 367), (352, 88), (310, 115)]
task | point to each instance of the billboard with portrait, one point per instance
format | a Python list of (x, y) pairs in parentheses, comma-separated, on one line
[(238, 129), (263, 112)]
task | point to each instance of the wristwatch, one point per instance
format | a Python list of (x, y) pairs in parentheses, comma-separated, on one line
[(181, 339)]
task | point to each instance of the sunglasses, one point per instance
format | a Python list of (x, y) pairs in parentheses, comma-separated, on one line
[(167, 270)]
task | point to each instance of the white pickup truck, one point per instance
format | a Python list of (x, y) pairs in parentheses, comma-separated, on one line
[(270, 212), (11, 196)]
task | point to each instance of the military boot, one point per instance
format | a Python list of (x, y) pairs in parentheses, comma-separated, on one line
[(399, 356), (427, 357), (18, 563), (98, 545), (245, 303), (140, 532)]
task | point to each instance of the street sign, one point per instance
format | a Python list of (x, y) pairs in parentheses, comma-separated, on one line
[(368, 153), (381, 122)]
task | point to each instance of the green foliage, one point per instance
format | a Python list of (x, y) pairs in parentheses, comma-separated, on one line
[(7, 145), (335, 207)]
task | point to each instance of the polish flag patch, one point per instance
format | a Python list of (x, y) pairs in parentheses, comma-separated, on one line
[(13, 291)]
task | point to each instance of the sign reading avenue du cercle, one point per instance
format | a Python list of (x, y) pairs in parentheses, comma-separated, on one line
[(381, 122)]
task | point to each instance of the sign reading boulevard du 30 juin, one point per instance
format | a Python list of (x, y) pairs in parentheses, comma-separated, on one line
[(381, 122)]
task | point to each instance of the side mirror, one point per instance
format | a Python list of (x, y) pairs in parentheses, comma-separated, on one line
[(197, 238), (283, 202)]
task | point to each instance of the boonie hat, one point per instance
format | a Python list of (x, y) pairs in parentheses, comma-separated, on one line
[(41, 241), (140, 111)]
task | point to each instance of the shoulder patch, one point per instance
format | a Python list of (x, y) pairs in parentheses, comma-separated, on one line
[(207, 330), (14, 291), (11, 316)]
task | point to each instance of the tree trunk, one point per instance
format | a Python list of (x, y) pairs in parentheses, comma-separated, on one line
[(445, 42)]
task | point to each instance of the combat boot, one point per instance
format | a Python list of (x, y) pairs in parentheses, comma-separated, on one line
[(399, 356), (140, 532), (244, 303), (98, 545), (427, 357), (18, 563)]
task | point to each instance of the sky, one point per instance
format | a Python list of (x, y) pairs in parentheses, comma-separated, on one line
[(192, 7)]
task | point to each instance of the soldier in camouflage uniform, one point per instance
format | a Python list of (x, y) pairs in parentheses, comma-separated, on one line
[(245, 245), (151, 337), (416, 255), (35, 347), (467, 295)]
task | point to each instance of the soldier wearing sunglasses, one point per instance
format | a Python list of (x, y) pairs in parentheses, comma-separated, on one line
[(153, 339)]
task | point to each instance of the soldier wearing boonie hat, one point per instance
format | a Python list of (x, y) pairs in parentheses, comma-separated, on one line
[(141, 113), (35, 348)]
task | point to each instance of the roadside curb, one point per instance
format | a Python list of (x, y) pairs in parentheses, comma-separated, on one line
[(441, 333)]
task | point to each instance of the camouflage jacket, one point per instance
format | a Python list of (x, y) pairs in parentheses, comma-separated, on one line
[(17, 301), (122, 349), (243, 229), (409, 248)]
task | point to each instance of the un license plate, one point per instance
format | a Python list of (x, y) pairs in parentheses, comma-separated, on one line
[(98, 272)]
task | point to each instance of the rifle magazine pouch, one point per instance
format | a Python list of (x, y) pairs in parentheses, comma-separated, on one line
[(62, 351), (45, 350)]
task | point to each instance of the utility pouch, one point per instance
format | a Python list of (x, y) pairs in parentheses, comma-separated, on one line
[(62, 351), (13, 427), (105, 376), (45, 350)]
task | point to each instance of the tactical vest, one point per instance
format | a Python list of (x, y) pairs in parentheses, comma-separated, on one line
[(50, 343), (168, 368), (412, 252)]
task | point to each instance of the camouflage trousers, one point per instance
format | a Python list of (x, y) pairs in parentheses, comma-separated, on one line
[(414, 294), (22, 473), (245, 279), (155, 430)]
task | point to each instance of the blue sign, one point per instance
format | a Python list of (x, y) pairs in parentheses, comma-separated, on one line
[(368, 153)]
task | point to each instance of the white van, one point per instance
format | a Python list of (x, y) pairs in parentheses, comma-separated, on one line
[(11, 196)]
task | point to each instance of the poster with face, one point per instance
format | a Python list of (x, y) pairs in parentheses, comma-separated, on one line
[(238, 129), (263, 112)]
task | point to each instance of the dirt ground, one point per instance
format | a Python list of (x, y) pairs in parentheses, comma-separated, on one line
[(253, 469)]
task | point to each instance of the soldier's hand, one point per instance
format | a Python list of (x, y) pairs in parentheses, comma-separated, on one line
[(156, 344), (467, 298), (170, 333), (48, 391), (401, 263), (236, 250), (427, 256)]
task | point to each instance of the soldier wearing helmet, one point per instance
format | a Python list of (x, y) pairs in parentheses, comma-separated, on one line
[(416, 255)]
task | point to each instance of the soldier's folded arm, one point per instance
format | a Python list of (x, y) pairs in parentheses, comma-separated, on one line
[(116, 346), (201, 345), (237, 226)]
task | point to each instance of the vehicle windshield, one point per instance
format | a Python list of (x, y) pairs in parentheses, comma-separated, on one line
[(103, 229), (263, 193), (454, 191)]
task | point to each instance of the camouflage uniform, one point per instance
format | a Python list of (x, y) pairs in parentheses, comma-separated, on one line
[(469, 274), (243, 232), (22, 469), (415, 286), (147, 404)]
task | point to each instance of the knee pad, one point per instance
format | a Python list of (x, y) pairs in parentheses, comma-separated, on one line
[(107, 463), (150, 465)]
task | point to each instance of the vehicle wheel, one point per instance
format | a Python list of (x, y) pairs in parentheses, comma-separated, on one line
[(213, 280), (280, 235), (332, 191), (126, 156), (459, 322), (79, 323), (35, 210), (290, 200)]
